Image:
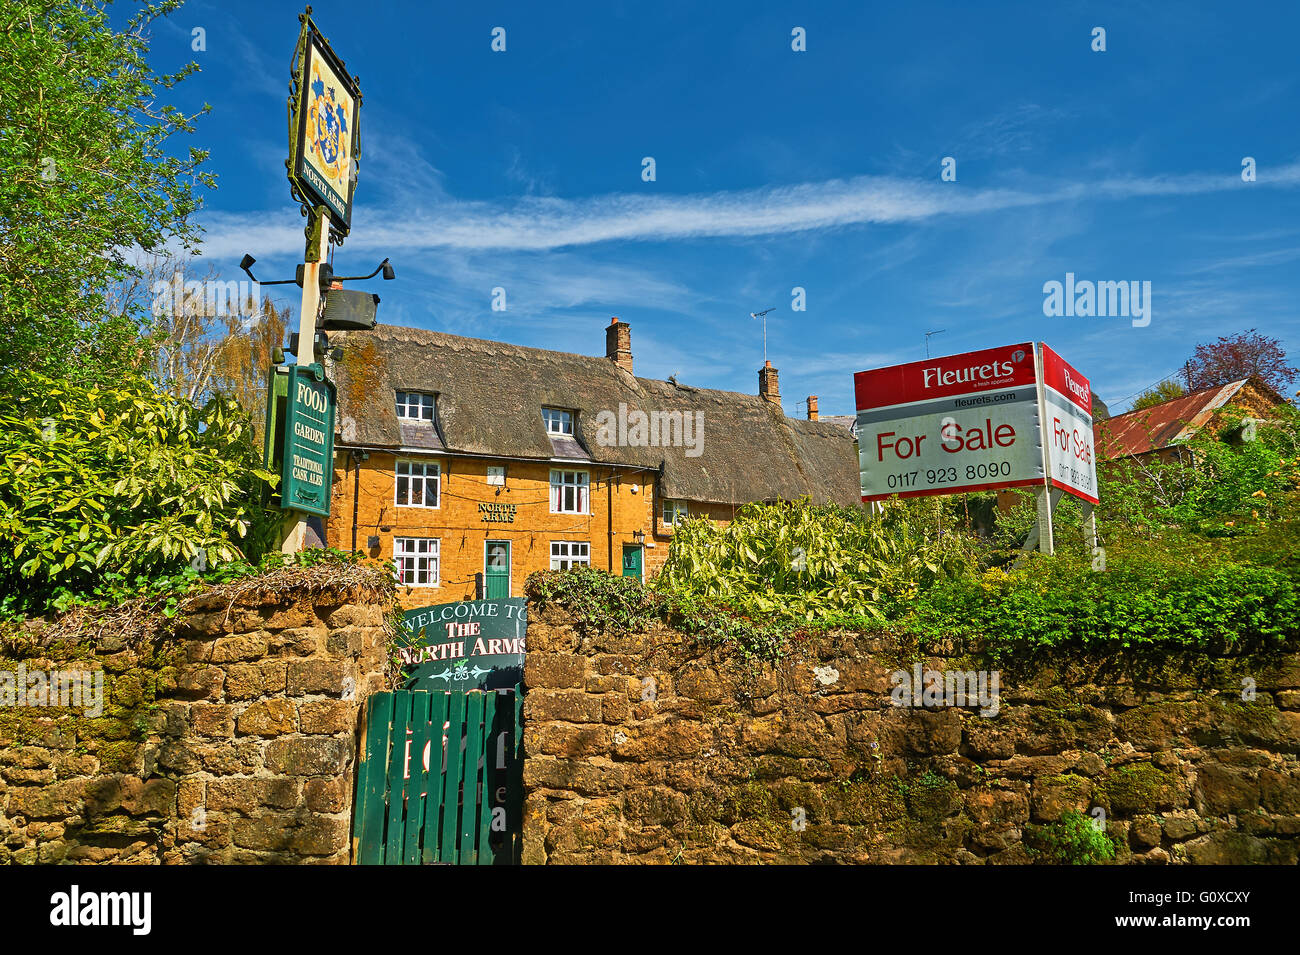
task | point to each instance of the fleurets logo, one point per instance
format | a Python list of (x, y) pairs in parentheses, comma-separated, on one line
[(1078, 388), (940, 377), (77, 908)]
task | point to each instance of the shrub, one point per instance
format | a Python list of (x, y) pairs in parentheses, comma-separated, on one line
[(805, 562), (1146, 599), (1075, 840), (602, 603), (123, 481)]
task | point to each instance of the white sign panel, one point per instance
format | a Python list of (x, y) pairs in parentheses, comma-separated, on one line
[(966, 422)]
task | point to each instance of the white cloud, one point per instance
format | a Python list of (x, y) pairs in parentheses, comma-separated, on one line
[(539, 223)]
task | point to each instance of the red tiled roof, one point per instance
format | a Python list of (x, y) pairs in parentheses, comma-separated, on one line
[(1162, 425)]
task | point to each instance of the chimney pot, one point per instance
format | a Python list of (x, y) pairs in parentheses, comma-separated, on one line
[(769, 386), (618, 343)]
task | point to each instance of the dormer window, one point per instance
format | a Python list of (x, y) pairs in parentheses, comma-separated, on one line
[(415, 406), (558, 421)]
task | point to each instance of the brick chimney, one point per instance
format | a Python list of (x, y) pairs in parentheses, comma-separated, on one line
[(768, 386), (618, 344), (812, 407)]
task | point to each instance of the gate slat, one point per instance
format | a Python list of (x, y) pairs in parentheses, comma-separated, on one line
[(418, 788), (397, 785), (437, 766), (488, 776), (515, 783), (473, 773), (372, 778), (452, 778)]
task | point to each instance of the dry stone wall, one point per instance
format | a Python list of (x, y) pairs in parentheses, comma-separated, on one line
[(652, 749), (230, 740)]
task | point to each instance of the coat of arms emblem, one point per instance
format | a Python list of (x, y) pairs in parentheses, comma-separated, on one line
[(327, 126)]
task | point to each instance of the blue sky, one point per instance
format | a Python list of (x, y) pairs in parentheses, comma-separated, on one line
[(777, 169)]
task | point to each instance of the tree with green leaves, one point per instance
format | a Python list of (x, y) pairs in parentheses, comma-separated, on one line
[(89, 181), (1166, 390), (122, 483)]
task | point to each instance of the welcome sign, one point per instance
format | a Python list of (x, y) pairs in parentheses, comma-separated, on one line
[(466, 645)]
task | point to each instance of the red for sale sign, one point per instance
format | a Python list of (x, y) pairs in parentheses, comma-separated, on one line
[(966, 422), (1067, 427)]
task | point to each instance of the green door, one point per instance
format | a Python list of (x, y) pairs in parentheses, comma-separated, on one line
[(496, 569), (632, 560)]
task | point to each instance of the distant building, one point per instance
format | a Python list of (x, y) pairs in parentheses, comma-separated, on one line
[(1162, 430), (472, 463)]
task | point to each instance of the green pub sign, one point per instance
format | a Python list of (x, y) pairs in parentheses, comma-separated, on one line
[(466, 645), (300, 436)]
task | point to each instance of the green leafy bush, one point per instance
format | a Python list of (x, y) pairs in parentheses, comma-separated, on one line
[(1142, 600), (598, 601), (602, 603), (1075, 840), (802, 561), (109, 484), (1219, 484)]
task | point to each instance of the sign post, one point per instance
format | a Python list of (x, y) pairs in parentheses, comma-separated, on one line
[(295, 529), (1070, 460), (324, 149)]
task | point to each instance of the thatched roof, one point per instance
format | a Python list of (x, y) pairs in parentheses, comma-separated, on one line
[(490, 397)]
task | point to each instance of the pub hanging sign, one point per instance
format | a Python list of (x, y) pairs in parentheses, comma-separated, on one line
[(324, 128), (300, 436)]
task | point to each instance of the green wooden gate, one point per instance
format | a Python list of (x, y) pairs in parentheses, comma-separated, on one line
[(440, 779)]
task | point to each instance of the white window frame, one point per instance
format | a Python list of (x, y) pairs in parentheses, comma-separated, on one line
[(558, 421), (425, 401), (680, 512), (425, 478), (407, 556), (571, 553), (498, 479), (581, 485)]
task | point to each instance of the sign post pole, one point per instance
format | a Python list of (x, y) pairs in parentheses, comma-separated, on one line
[(324, 149), (1046, 538), (295, 525)]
